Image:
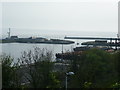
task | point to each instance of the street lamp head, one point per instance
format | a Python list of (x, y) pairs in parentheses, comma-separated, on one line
[(70, 73)]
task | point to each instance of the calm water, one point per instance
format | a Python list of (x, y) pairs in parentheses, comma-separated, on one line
[(15, 49)]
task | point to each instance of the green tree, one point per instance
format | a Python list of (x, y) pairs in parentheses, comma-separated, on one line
[(34, 69), (96, 67), (9, 75), (37, 68), (116, 62), (6, 71)]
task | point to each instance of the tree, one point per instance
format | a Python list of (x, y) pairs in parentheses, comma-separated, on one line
[(116, 62), (95, 67), (33, 70), (9, 75), (37, 67)]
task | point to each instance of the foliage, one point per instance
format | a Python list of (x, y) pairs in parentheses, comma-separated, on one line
[(93, 69), (117, 63), (38, 68), (97, 67), (116, 85), (9, 76), (33, 70), (87, 84)]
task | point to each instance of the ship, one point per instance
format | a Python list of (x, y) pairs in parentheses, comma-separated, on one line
[(16, 39)]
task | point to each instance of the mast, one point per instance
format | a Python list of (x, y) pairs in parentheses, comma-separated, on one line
[(9, 33)]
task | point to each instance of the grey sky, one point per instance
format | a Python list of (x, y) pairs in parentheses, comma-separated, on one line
[(60, 16)]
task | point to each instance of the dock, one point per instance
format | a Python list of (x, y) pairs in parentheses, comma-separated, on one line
[(92, 38), (114, 42)]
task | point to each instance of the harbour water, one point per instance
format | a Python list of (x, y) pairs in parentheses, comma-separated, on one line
[(16, 49)]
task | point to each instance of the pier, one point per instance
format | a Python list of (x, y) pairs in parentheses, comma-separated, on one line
[(93, 38), (114, 42)]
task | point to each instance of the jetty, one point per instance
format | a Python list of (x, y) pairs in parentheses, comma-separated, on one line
[(99, 41)]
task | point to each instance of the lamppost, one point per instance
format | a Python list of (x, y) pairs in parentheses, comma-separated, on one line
[(69, 73)]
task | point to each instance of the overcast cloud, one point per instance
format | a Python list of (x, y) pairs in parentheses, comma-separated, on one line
[(59, 16)]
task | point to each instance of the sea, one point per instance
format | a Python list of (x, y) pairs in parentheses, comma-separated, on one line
[(15, 50)]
